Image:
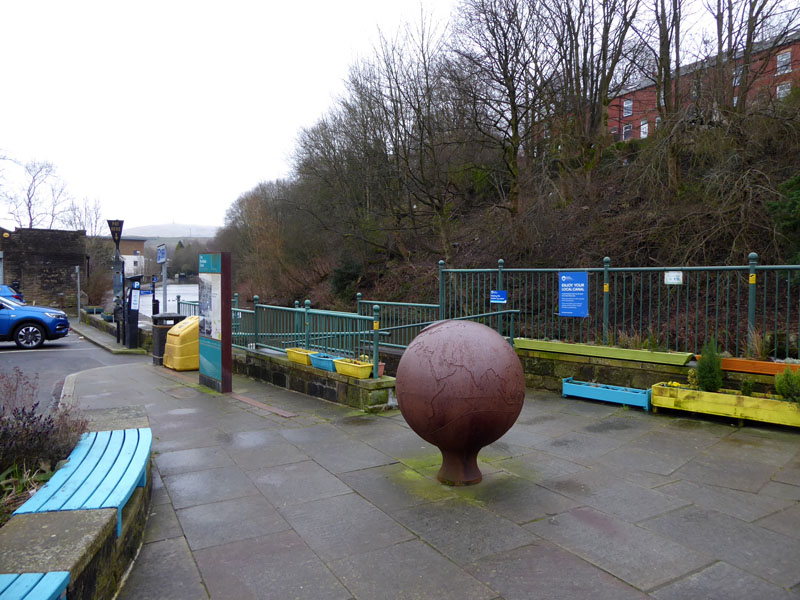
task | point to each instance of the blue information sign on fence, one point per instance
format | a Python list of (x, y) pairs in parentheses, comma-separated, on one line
[(573, 294), (498, 296)]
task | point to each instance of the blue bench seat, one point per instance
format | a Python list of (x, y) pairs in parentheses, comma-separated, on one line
[(34, 586), (101, 472)]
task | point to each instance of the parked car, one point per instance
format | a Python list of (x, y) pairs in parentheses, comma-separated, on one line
[(6, 291), (29, 326)]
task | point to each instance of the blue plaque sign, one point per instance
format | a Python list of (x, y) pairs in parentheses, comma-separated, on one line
[(573, 294), (498, 297)]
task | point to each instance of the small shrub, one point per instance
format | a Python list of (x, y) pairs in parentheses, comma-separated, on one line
[(31, 438), (757, 347), (692, 378), (787, 384), (748, 385), (709, 368)]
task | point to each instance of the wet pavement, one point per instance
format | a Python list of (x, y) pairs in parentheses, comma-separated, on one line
[(579, 500)]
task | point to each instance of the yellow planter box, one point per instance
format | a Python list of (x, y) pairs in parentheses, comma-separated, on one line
[(353, 368), (300, 355), (757, 407)]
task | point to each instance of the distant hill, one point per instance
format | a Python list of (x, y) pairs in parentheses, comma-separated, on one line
[(172, 230)]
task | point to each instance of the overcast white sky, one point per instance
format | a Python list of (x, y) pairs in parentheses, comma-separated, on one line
[(166, 111)]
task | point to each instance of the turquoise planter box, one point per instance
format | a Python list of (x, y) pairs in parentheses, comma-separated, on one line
[(323, 361), (606, 393)]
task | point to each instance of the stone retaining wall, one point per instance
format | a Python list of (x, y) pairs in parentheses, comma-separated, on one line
[(545, 370), (365, 394)]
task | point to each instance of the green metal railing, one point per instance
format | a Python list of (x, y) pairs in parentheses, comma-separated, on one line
[(400, 321), (348, 335), (187, 307), (736, 305)]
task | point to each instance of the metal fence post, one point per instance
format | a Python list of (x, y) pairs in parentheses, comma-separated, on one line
[(606, 289), (235, 300), (177, 304), (358, 303), (752, 258), (255, 321), (307, 305), (500, 263), (441, 290), (376, 325)]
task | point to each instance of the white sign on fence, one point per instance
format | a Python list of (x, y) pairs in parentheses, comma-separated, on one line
[(673, 277)]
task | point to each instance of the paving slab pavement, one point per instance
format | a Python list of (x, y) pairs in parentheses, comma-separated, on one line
[(579, 500)]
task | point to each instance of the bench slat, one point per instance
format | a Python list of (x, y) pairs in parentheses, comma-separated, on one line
[(136, 476), (79, 475), (115, 475), (76, 457), (34, 586), (102, 469)]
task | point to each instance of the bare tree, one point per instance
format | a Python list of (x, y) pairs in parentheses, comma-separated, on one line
[(500, 62), (591, 40), (747, 34), (40, 199)]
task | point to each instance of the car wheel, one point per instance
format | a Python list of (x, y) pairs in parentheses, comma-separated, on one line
[(29, 336)]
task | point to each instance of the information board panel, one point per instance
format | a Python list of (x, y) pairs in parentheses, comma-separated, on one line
[(573, 294), (214, 310)]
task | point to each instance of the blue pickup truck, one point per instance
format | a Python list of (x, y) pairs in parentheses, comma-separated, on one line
[(29, 326)]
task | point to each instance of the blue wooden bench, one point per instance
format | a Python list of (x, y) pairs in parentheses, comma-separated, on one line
[(34, 586), (102, 472)]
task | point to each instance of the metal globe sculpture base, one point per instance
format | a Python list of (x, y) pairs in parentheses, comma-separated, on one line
[(460, 387)]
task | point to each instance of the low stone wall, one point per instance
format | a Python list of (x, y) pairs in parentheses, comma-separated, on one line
[(96, 321), (545, 370), (365, 394)]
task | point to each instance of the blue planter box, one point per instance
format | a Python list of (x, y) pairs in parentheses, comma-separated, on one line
[(606, 393), (323, 361)]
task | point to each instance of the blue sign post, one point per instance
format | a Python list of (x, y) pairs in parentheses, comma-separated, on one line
[(573, 294)]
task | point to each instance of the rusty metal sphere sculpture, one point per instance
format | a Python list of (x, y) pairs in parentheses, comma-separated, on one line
[(460, 386)]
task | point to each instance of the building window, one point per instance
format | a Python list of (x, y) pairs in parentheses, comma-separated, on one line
[(627, 108), (784, 63), (737, 76), (783, 90), (644, 129), (661, 98), (615, 134), (696, 87), (627, 132), (658, 122), (735, 100)]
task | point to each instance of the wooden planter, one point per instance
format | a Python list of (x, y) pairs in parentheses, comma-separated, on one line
[(758, 407), (664, 358), (761, 367), (606, 393)]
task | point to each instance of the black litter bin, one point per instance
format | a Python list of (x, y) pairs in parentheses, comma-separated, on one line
[(162, 323)]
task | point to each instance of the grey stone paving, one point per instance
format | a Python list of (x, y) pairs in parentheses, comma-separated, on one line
[(579, 500)]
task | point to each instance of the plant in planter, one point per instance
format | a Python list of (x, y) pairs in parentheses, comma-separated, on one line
[(709, 368), (787, 384), (748, 386), (709, 398)]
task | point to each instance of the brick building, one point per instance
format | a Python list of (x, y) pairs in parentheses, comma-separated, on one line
[(634, 114), (44, 262)]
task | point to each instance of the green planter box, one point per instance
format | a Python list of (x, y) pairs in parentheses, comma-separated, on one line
[(665, 358)]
